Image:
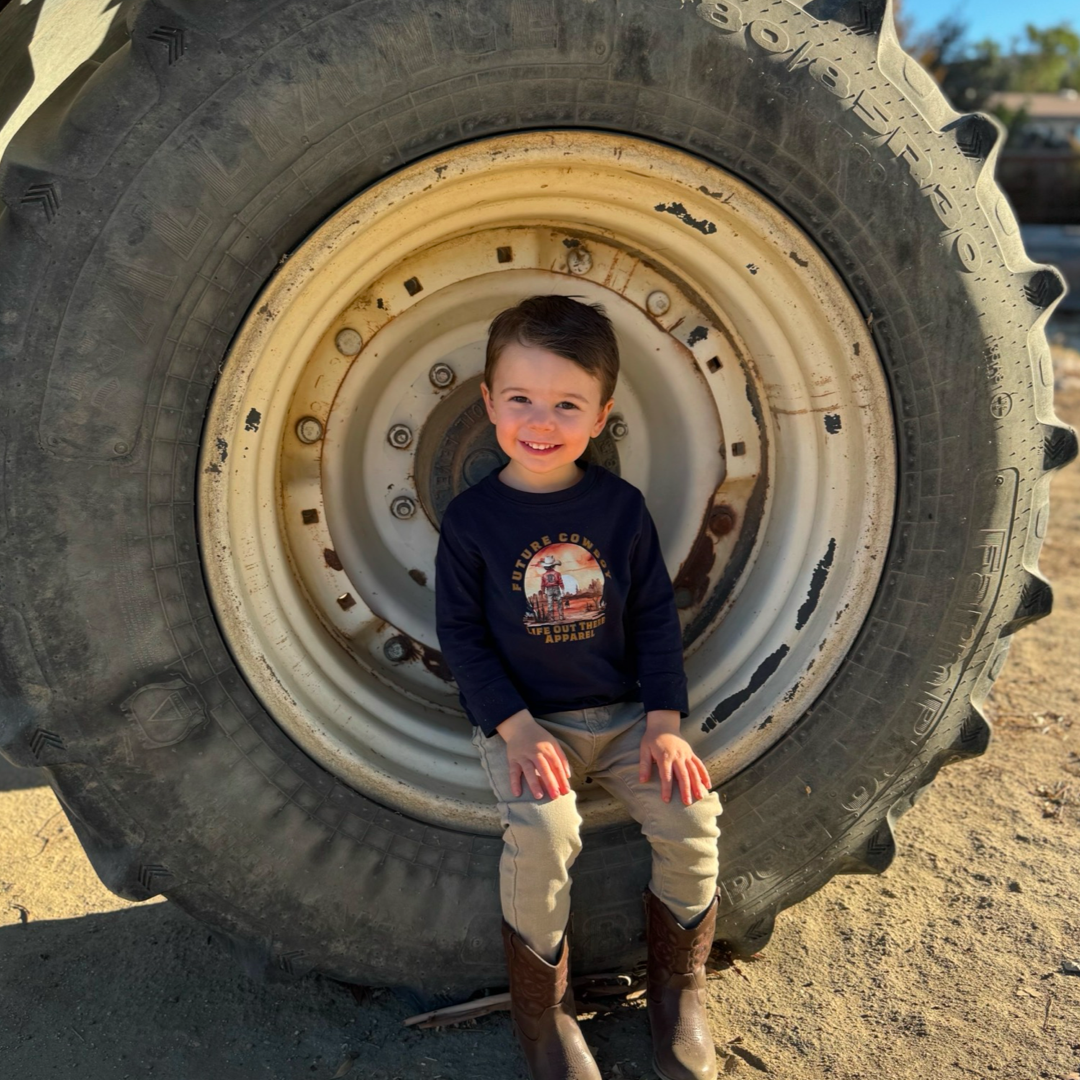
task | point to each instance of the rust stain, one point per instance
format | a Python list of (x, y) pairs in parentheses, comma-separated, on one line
[(412, 649), (799, 412), (692, 581), (434, 662), (721, 520)]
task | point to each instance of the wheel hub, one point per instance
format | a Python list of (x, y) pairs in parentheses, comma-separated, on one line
[(457, 448)]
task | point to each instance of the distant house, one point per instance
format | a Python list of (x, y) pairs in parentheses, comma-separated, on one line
[(1052, 121), (1039, 166)]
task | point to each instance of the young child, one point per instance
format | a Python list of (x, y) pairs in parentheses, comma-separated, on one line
[(557, 617)]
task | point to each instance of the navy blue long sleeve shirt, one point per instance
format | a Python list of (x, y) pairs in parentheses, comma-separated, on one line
[(556, 600)]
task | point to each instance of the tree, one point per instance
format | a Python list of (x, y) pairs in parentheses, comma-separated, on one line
[(1050, 63), (1046, 61)]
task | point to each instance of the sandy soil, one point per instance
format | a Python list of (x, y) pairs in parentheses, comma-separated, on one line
[(951, 964)]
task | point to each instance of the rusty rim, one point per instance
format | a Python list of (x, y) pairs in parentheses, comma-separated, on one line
[(751, 410)]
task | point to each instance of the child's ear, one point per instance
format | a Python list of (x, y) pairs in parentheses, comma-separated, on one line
[(601, 417), (485, 393)]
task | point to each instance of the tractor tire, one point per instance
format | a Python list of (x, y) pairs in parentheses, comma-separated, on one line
[(151, 210)]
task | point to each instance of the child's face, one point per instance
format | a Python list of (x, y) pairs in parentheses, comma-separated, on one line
[(545, 409)]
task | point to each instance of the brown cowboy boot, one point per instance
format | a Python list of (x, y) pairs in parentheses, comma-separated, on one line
[(682, 1046), (543, 1012)]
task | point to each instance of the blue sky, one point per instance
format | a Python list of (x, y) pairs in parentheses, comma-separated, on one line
[(997, 19)]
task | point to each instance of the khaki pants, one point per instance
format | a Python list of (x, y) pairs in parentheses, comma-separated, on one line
[(542, 837)]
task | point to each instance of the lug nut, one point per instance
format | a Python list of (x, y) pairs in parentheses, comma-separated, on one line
[(657, 302), (721, 520), (579, 260), (395, 650), (309, 429), (348, 341), (403, 507), (441, 375), (618, 427), (399, 436)]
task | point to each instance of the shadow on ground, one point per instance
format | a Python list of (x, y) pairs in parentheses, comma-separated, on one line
[(147, 992), (13, 778)]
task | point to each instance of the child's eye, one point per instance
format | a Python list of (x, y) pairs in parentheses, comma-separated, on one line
[(568, 404), (519, 397)]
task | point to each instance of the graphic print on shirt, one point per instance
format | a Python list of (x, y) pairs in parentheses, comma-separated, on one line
[(564, 593)]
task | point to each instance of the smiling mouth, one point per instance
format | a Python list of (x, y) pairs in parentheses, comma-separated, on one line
[(540, 448)]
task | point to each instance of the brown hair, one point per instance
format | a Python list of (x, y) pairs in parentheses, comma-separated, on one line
[(564, 326)]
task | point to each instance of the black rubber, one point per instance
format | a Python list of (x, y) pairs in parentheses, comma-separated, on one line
[(151, 198)]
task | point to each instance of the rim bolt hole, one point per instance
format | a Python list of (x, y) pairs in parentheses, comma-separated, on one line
[(399, 436), (396, 649), (441, 375), (657, 302), (309, 429), (348, 341), (403, 507), (579, 260), (721, 520)]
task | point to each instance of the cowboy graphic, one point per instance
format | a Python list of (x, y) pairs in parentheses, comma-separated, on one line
[(551, 588)]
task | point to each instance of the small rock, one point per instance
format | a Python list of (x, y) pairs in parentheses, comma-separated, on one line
[(1014, 886), (1023, 839), (1070, 967)]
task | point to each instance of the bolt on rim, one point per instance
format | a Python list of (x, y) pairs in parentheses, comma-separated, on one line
[(751, 410)]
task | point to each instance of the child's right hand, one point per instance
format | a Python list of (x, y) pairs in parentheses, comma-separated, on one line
[(534, 755)]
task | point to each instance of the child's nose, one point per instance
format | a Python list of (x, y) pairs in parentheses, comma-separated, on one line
[(542, 420)]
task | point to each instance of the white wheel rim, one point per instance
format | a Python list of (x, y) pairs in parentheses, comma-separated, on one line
[(773, 427)]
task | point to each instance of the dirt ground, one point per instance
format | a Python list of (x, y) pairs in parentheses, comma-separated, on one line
[(951, 964)]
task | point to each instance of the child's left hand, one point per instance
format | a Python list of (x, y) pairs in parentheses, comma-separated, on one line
[(674, 758)]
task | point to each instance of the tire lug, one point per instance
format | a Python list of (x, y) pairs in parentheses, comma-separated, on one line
[(579, 260), (309, 429), (657, 302), (348, 341), (403, 507), (441, 375), (399, 436)]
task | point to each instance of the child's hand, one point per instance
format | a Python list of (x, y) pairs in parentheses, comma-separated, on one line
[(534, 755), (674, 758)]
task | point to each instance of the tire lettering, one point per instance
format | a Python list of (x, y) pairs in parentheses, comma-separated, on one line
[(967, 250), (769, 36), (723, 15), (474, 29), (872, 113), (179, 236), (534, 24), (928, 712), (876, 117), (223, 183), (130, 293), (918, 161), (406, 44), (943, 205), (833, 78)]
